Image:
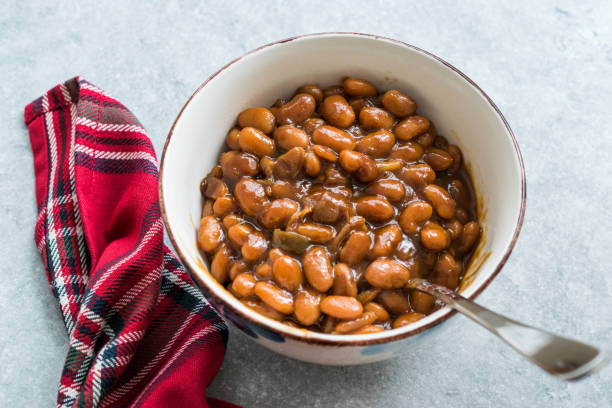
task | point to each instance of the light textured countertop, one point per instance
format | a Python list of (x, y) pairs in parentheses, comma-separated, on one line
[(547, 64)]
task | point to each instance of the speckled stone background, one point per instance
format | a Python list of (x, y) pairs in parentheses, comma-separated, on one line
[(547, 64)]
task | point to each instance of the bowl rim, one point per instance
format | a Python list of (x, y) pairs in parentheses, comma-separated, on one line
[(346, 340)]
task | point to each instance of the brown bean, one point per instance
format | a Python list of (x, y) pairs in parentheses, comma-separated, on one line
[(441, 200), (266, 165), (417, 174), (359, 165), (408, 152), (239, 233), (333, 90), (337, 111), (224, 205), (426, 139), (216, 171), (411, 127), (297, 110), (312, 164), (244, 284), (334, 138), (368, 295), (414, 215), (261, 308), (307, 307), (455, 153), (254, 141), (359, 87), (318, 269), (231, 220), (389, 165), (394, 300), (459, 192), (237, 165), (341, 307), (446, 271), (406, 252), (220, 263), (387, 274), (325, 153), (264, 271), (317, 233), (311, 124), (210, 233), (434, 237), (369, 329), (376, 144), (215, 188), (374, 208), (254, 247), (440, 142), (274, 297), (289, 164), (314, 90), (357, 104), (232, 139), (356, 248), (238, 267), (471, 232), (344, 281), (392, 190), (427, 259), (381, 313), (372, 117), (398, 103), (351, 161), (438, 159), (287, 273), (462, 215), (288, 137), (277, 213), (251, 196), (454, 228), (406, 319), (259, 118), (421, 302), (348, 326), (275, 253), (385, 241)]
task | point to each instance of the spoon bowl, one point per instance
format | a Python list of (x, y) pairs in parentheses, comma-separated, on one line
[(564, 358)]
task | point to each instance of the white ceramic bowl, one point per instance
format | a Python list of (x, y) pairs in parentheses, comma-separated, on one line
[(460, 109)]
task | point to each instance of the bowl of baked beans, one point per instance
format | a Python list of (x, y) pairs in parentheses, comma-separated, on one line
[(305, 183)]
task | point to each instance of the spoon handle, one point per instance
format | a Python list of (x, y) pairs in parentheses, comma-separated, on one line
[(562, 357)]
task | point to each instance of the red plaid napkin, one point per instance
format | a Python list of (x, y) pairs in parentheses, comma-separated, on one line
[(141, 334)]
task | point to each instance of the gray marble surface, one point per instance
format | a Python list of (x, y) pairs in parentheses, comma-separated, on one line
[(547, 64)]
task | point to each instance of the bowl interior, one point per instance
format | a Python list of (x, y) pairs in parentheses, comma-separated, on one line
[(459, 109)]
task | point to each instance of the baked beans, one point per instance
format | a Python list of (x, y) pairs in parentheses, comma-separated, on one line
[(325, 205)]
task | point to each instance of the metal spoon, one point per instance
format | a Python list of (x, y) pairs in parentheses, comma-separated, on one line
[(564, 358)]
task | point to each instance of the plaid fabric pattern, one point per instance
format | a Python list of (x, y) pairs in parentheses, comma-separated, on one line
[(141, 334)]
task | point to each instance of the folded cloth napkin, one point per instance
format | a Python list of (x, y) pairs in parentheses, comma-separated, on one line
[(141, 334)]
